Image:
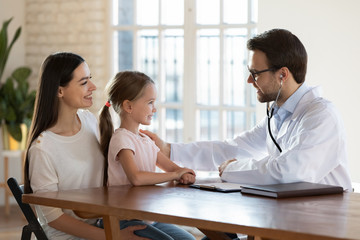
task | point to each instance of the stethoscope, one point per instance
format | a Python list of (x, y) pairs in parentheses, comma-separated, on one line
[(270, 112)]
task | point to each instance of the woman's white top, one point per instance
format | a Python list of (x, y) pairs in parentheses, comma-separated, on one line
[(62, 163)]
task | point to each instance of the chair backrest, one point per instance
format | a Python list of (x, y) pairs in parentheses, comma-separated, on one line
[(33, 226)]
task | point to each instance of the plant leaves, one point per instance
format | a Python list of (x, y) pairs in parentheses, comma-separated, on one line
[(16, 36), (10, 115), (16, 102), (21, 74), (4, 49), (9, 91), (3, 37), (3, 45), (7, 52), (15, 131), (2, 107)]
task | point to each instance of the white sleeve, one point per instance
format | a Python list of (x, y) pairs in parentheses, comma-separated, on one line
[(315, 149), (43, 178), (208, 155)]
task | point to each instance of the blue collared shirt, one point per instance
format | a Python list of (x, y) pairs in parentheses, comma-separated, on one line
[(283, 112)]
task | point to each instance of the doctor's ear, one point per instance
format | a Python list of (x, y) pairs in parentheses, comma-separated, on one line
[(284, 73)]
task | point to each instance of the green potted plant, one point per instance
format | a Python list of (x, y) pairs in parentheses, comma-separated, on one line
[(16, 100)]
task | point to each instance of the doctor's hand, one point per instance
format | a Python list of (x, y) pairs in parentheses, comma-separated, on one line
[(165, 147), (223, 166)]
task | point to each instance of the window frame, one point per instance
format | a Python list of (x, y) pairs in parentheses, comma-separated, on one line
[(188, 106)]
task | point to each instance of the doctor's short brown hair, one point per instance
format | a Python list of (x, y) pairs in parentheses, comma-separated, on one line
[(282, 49)]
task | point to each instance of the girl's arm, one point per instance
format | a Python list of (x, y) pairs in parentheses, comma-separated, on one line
[(72, 226), (138, 178), (167, 165)]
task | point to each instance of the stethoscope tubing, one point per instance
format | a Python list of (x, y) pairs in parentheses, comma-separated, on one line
[(272, 137), (269, 113)]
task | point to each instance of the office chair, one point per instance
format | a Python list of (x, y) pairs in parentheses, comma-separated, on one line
[(33, 225)]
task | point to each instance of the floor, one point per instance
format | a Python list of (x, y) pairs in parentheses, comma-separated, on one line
[(11, 226)]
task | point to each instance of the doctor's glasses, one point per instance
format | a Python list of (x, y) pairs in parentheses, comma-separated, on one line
[(255, 73)]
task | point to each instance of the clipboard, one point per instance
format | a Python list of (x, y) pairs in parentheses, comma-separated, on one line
[(224, 187)]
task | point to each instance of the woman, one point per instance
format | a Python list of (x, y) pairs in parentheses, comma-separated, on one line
[(63, 150)]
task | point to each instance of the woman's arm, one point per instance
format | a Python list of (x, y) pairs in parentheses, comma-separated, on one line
[(72, 226), (138, 178), (82, 214)]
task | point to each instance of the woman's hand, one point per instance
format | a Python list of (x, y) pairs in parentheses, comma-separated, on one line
[(128, 233), (165, 147), (73, 226), (223, 166)]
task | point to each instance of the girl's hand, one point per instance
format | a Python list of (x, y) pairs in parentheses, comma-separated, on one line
[(187, 178), (181, 171)]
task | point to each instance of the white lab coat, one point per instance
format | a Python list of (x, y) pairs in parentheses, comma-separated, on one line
[(313, 146)]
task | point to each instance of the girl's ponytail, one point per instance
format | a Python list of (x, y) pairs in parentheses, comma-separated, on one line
[(106, 130)]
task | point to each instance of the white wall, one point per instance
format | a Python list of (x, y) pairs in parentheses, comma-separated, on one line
[(15, 9), (330, 31), (71, 26)]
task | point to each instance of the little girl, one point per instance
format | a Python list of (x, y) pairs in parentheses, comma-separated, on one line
[(131, 156)]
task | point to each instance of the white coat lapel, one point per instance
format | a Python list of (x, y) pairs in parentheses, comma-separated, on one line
[(299, 109)]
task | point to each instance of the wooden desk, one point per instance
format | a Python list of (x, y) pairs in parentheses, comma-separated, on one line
[(327, 217)]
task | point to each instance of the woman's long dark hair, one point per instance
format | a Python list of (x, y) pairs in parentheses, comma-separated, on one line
[(57, 70)]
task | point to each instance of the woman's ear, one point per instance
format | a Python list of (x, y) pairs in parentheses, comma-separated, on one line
[(60, 92), (127, 106)]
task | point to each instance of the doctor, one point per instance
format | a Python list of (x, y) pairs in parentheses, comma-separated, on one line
[(301, 139)]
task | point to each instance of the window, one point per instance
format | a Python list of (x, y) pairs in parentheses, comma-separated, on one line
[(195, 51)]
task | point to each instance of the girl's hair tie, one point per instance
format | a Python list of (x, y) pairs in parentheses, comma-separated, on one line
[(108, 104)]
